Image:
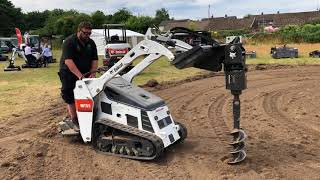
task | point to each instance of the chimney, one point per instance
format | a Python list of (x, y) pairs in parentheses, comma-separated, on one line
[(261, 13), (226, 15), (278, 12)]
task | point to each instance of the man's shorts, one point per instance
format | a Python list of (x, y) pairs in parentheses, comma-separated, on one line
[(68, 82)]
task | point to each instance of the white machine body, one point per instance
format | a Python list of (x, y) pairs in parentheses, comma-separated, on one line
[(113, 97)]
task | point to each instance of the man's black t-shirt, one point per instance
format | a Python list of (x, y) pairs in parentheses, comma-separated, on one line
[(81, 54)]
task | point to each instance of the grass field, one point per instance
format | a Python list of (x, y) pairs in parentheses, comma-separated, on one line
[(30, 88)]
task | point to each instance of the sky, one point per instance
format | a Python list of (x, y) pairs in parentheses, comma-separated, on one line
[(178, 9)]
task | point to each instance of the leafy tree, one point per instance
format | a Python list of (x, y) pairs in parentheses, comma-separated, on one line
[(36, 19), (139, 24), (98, 18), (10, 17), (62, 22), (121, 16), (108, 19), (57, 12), (67, 25), (161, 15), (82, 17)]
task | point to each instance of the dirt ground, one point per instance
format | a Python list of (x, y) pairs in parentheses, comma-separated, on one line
[(280, 114)]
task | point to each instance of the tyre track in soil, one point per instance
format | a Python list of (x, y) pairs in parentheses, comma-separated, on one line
[(218, 123), (199, 157), (220, 120), (21, 145), (277, 138), (270, 105), (275, 106), (22, 129), (197, 105), (182, 106), (303, 139), (29, 124), (188, 109), (214, 117), (222, 103), (226, 112), (310, 111)]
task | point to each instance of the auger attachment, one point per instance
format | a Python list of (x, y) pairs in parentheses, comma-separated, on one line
[(236, 81)]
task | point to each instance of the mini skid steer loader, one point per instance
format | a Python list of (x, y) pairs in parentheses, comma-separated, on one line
[(121, 119)]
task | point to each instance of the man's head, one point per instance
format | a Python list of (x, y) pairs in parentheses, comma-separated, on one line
[(84, 31)]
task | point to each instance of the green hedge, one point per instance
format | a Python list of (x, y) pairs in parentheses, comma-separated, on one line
[(306, 33), (309, 33)]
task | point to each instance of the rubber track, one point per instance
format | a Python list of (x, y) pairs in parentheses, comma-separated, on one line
[(156, 141)]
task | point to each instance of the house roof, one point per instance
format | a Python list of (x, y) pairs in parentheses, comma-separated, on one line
[(248, 22)]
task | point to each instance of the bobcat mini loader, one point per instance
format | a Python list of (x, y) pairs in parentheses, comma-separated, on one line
[(121, 119)]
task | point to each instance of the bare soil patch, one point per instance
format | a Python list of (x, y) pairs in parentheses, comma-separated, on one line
[(280, 114)]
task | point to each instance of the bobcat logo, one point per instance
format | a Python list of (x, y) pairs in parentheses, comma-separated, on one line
[(233, 55)]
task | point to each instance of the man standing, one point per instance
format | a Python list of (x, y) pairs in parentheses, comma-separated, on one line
[(28, 53), (47, 54), (79, 56)]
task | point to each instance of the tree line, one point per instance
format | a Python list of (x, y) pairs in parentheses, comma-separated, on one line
[(65, 22)]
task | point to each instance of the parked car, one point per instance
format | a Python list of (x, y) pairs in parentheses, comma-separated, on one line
[(3, 57), (315, 53), (4, 48)]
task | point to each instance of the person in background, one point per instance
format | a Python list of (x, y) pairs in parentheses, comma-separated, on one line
[(28, 53), (47, 55)]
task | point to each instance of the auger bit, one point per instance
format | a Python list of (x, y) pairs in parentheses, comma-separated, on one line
[(236, 81)]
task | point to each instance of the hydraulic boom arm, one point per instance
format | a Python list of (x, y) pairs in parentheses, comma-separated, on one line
[(148, 48)]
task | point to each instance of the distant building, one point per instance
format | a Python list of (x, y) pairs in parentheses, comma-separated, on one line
[(251, 22)]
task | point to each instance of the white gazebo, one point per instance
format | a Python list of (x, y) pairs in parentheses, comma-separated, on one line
[(97, 36)]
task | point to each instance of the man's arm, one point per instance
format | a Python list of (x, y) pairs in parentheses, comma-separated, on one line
[(94, 63), (73, 68), (94, 66)]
